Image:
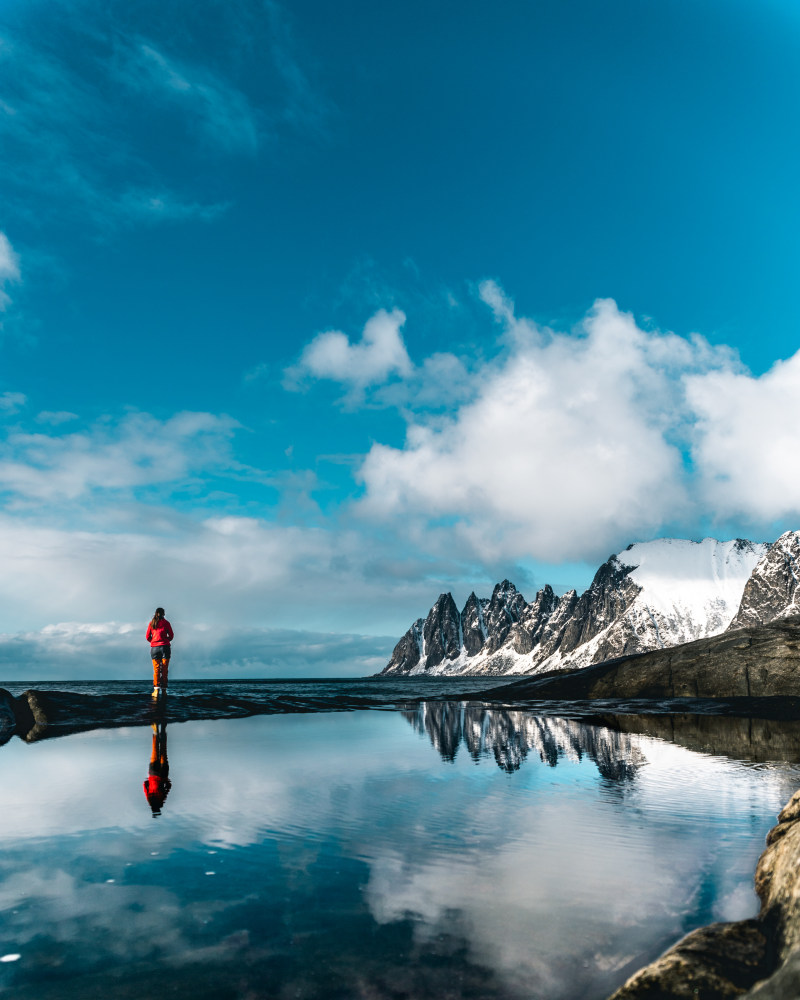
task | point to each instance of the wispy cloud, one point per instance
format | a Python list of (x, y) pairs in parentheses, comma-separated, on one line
[(9, 270), (11, 402), (218, 112), (111, 456), (65, 145), (101, 116)]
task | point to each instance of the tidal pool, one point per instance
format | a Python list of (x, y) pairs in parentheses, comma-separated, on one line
[(449, 851)]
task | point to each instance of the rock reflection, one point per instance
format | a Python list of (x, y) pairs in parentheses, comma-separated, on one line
[(511, 736), (157, 783)]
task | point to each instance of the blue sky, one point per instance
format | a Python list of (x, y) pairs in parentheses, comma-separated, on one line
[(313, 311)]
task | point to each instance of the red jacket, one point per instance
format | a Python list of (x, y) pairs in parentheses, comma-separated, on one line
[(161, 635)]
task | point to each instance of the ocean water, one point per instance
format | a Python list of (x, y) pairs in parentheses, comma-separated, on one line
[(441, 849)]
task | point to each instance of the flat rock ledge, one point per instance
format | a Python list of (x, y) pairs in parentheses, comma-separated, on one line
[(758, 662), (759, 958)]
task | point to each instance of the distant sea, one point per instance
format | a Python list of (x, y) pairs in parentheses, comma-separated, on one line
[(375, 691)]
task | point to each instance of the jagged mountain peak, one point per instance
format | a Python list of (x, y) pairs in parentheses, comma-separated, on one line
[(773, 590), (648, 595)]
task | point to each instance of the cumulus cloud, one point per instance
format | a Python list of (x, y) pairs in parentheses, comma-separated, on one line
[(571, 446), (379, 354), (745, 440)]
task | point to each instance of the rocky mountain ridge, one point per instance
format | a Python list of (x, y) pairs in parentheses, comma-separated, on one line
[(653, 595)]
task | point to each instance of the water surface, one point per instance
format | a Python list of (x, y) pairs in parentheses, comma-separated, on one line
[(445, 851)]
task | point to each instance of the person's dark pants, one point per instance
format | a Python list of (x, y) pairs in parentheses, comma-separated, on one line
[(160, 655)]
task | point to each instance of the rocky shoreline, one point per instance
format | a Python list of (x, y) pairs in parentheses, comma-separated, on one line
[(758, 958)]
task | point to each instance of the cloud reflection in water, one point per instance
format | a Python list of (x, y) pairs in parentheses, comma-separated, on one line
[(350, 859)]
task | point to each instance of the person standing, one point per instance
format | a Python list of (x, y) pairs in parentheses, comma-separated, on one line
[(160, 635)]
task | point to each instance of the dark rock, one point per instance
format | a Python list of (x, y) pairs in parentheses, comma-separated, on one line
[(758, 662), (406, 654), (473, 624), (611, 593), (8, 717), (503, 611), (532, 629), (441, 633)]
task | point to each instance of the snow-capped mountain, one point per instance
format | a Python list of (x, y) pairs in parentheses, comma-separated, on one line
[(773, 590), (650, 596)]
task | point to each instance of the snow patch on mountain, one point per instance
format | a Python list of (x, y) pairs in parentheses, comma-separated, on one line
[(649, 596), (773, 590)]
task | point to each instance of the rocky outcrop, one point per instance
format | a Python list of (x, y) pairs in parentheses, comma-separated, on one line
[(756, 739), (502, 613), (762, 662), (773, 590), (651, 596), (408, 652), (441, 633), (473, 624), (756, 959)]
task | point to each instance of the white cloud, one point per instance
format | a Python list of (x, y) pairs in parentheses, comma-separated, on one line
[(136, 451), (745, 440), (11, 402), (9, 269), (101, 522), (55, 417), (223, 572), (570, 447), (379, 354), (81, 650)]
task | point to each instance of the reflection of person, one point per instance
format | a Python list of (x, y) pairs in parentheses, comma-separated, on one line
[(159, 635), (157, 783)]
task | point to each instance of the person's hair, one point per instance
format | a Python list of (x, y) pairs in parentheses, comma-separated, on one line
[(157, 617)]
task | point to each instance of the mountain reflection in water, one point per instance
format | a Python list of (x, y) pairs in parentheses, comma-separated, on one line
[(332, 855), (511, 736)]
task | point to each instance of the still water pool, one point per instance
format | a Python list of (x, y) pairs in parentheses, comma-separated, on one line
[(449, 851)]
